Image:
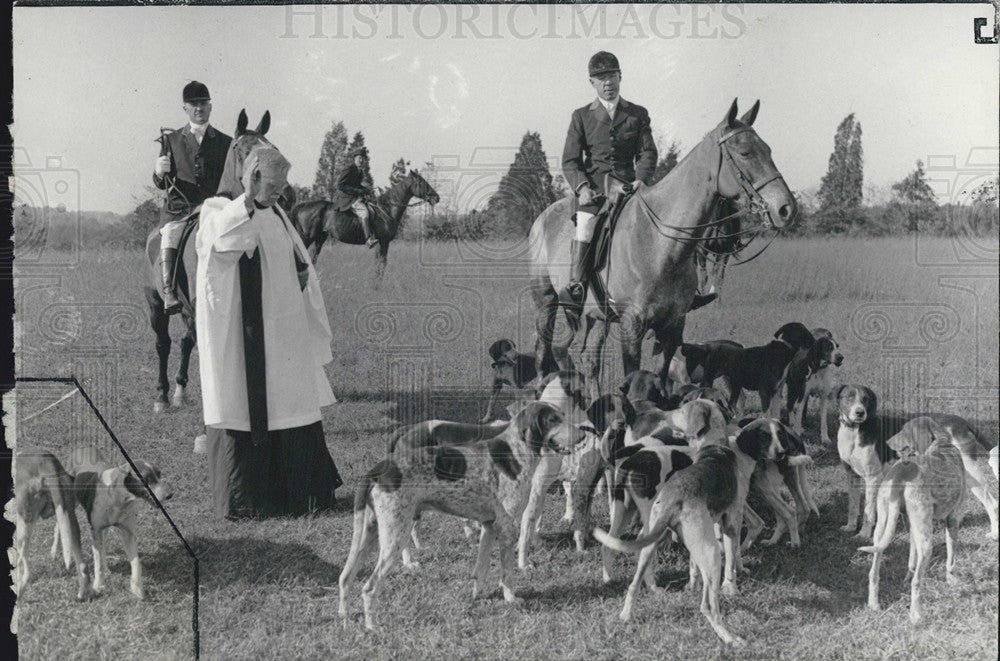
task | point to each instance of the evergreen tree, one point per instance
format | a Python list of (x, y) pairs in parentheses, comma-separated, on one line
[(399, 170), (841, 187), (525, 190), (668, 161), (915, 195), (332, 155)]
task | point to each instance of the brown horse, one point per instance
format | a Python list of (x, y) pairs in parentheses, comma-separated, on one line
[(721, 242), (230, 186), (650, 273), (318, 220)]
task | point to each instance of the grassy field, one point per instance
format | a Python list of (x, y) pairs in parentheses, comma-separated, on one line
[(923, 336)]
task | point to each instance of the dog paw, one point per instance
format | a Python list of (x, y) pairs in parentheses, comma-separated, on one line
[(848, 528), (953, 580), (794, 545), (737, 641), (865, 535), (691, 586), (729, 589), (625, 615), (138, 592), (873, 606)]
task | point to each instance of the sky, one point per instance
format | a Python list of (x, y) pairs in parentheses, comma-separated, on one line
[(460, 85)]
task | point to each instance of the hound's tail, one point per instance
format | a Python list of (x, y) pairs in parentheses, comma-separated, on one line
[(669, 521), (890, 501)]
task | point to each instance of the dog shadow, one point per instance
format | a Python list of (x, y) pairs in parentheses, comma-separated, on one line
[(225, 562)]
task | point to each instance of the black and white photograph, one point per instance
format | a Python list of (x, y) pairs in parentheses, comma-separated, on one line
[(493, 331)]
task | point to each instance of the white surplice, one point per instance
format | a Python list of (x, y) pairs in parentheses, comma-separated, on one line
[(296, 329)]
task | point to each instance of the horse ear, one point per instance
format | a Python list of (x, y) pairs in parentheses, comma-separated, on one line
[(751, 114), (731, 115), (265, 123), (241, 122)]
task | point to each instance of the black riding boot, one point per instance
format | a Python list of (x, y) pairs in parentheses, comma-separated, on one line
[(171, 305), (577, 287)]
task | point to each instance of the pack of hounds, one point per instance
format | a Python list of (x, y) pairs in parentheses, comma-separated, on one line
[(677, 457), (680, 458)]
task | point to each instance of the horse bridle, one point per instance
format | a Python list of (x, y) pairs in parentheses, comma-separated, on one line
[(755, 206)]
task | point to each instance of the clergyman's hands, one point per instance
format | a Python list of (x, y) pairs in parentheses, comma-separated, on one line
[(586, 196)]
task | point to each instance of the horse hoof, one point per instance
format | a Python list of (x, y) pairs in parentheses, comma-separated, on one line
[(159, 407), (180, 396)]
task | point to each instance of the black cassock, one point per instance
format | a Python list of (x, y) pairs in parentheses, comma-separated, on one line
[(266, 473)]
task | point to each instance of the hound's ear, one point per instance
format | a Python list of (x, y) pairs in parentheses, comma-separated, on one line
[(750, 443), (699, 420), (597, 413), (751, 114), (839, 390), (265, 123), (241, 123), (874, 401), (731, 115)]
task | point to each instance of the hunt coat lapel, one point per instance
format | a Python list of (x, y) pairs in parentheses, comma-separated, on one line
[(621, 112), (599, 113)]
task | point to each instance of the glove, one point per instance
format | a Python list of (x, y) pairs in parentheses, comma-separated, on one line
[(162, 166), (586, 196)]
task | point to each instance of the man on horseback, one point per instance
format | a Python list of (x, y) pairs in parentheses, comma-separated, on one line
[(352, 191), (189, 168), (609, 152)]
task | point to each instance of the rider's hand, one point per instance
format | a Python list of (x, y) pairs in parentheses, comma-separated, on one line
[(585, 197), (251, 194), (162, 166), (634, 186)]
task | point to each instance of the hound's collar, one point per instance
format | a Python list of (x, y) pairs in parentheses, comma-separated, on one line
[(785, 342)]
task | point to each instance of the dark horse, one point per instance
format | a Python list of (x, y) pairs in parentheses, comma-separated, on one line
[(650, 272), (317, 220), (229, 186)]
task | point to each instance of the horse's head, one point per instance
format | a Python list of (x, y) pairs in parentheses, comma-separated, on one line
[(420, 189), (746, 172), (244, 141)]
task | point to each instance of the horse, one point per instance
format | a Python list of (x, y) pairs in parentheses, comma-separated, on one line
[(650, 272), (244, 141), (317, 220)]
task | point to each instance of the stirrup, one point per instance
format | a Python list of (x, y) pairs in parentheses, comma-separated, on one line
[(372, 241)]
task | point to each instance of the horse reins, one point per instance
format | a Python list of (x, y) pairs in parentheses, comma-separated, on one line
[(757, 207)]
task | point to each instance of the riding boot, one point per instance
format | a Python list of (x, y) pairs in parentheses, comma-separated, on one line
[(577, 287), (168, 256), (370, 239)]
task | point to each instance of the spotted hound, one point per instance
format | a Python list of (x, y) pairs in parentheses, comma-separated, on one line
[(812, 374), (710, 492), (110, 495), (488, 481), (43, 488)]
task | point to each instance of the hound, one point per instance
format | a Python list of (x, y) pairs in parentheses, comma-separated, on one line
[(810, 375), (861, 444), (762, 368), (710, 492), (488, 481), (932, 485), (994, 461), (688, 365), (110, 496), (42, 488), (919, 433)]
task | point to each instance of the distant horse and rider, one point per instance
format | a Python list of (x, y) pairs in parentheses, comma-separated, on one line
[(319, 220), (649, 277)]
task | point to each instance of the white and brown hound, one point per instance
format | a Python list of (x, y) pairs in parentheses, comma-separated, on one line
[(42, 488), (861, 444), (488, 481), (711, 492), (110, 496), (930, 479)]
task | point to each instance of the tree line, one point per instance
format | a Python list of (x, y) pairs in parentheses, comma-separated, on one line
[(528, 187)]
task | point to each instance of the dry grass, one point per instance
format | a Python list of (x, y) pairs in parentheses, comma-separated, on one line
[(269, 588)]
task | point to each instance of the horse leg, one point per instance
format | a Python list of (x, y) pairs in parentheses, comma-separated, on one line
[(381, 259), (316, 245), (701, 264), (187, 346), (669, 339), (547, 302), (632, 332), (160, 323), (593, 352), (718, 274)]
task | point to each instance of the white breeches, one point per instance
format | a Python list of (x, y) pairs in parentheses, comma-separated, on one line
[(170, 234), (585, 223), (359, 209)]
